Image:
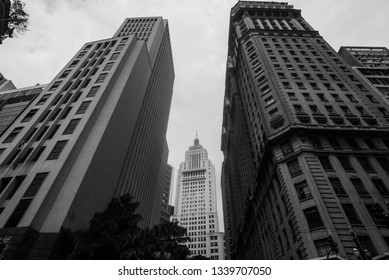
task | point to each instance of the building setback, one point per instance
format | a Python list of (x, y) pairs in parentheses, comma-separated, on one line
[(305, 143), (196, 205), (372, 64), (97, 131)]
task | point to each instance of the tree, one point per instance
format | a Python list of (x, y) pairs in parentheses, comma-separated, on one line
[(108, 232), (4, 245), (17, 21), (163, 241), (115, 234)]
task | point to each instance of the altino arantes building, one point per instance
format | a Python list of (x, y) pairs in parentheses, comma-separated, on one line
[(305, 143), (196, 204), (97, 131)]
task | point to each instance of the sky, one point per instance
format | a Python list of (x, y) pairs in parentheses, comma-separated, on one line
[(199, 34)]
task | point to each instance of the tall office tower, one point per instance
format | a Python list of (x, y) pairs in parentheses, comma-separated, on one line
[(97, 131), (196, 206), (305, 143), (372, 64), (167, 183)]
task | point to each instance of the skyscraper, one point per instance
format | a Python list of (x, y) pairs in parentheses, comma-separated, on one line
[(372, 64), (305, 143), (97, 131), (196, 205)]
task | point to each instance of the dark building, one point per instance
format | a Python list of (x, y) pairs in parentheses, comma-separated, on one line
[(97, 131), (305, 143), (167, 183), (372, 64), (4, 15)]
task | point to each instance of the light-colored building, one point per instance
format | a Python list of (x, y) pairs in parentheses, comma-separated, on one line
[(196, 205), (97, 131)]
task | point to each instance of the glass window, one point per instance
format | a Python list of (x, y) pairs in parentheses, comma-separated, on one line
[(346, 163), (18, 213), (83, 107), (359, 187), (337, 186), (71, 126), (35, 185), (351, 214), (13, 134), (55, 153), (325, 162), (294, 168), (302, 190), (313, 217)]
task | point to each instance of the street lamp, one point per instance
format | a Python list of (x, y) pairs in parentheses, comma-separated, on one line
[(359, 251)]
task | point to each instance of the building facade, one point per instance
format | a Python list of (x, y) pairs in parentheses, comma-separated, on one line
[(167, 186), (196, 204), (305, 143), (97, 131), (372, 64)]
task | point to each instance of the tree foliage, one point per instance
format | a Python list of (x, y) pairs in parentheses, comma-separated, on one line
[(18, 19), (4, 245), (115, 234)]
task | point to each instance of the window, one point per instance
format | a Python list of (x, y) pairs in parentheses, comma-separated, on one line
[(29, 115), (65, 74), (52, 133), (384, 163), (71, 126), (287, 85), (353, 143), (346, 163), (361, 110), (337, 186), (43, 99), (379, 184), (370, 143), (301, 86), (313, 217), (108, 66), (13, 134), (352, 216), (101, 78), (120, 47), (44, 116), (345, 109), (57, 150), (372, 99), (325, 162), (314, 86), (314, 109), (281, 76), (351, 98), (294, 168), (38, 153), (273, 113), (367, 244), (292, 96), (114, 56), (322, 97), (41, 133), (15, 186), (269, 100), (366, 164), (18, 213), (55, 86), (302, 190), (308, 76), (287, 148), (4, 183), (35, 185), (336, 98), (298, 108), (307, 96), (83, 107), (334, 143), (322, 247), (359, 187), (315, 141)]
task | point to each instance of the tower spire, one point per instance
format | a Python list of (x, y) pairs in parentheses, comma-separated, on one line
[(196, 141)]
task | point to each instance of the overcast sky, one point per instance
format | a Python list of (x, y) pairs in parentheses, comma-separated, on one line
[(199, 32)]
